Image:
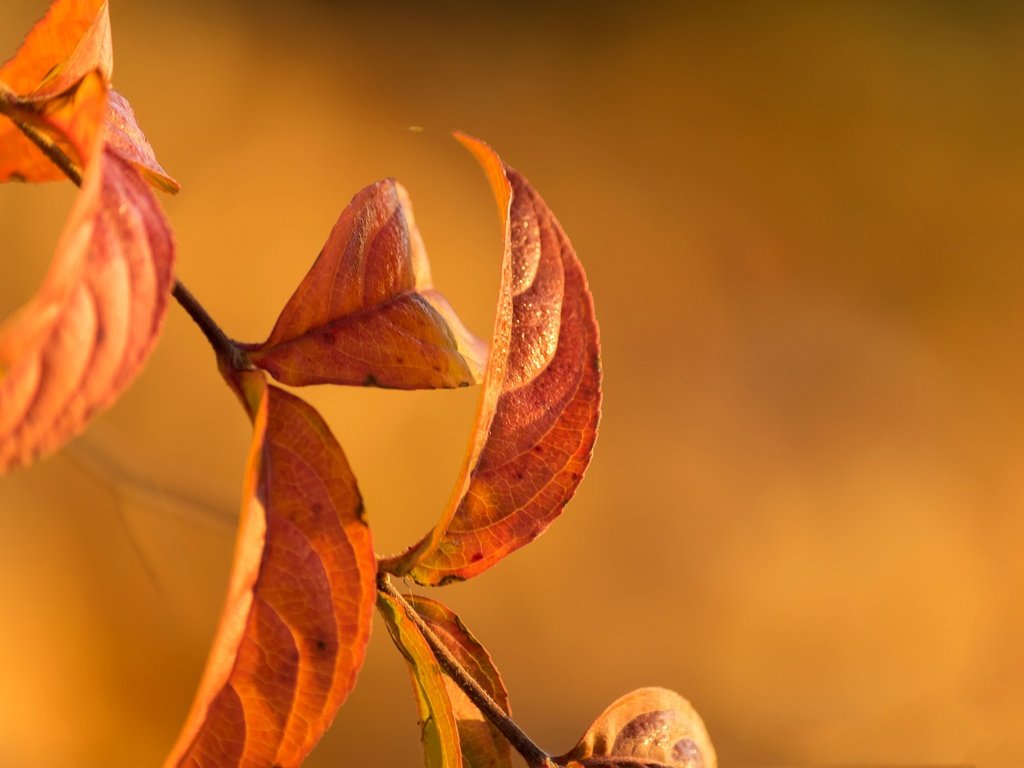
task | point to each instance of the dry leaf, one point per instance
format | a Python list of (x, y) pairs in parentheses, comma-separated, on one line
[(648, 728), (296, 622), (366, 313), (537, 417)]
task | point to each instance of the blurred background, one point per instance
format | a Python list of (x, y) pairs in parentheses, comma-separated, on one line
[(802, 227)]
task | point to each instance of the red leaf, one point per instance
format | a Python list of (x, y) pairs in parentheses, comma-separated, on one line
[(86, 334), (537, 417), (481, 742), (124, 137), (366, 313), (296, 622), (647, 728)]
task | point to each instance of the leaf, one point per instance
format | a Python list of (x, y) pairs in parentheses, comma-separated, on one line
[(648, 728), (537, 415), (70, 121), (82, 339), (296, 622), (482, 744), (69, 42), (366, 313), (439, 731), (126, 139)]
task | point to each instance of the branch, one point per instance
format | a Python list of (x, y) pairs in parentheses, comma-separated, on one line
[(49, 148), (224, 347), (535, 756)]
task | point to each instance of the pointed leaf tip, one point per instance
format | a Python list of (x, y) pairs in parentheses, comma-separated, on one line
[(296, 622), (367, 313), (537, 415)]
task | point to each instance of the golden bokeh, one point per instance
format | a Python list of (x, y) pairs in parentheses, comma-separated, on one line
[(801, 224)]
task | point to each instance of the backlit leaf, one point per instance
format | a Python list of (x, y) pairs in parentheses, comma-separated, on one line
[(482, 744), (537, 416), (70, 121), (69, 42), (296, 622), (366, 313), (648, 728), (439, 731), (81, 340), (124, 137)]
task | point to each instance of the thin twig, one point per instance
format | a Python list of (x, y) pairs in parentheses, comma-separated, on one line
[(49, 148), (523, 744), (225, 348)]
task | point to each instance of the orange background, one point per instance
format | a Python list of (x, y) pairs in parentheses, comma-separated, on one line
[(802, 226)]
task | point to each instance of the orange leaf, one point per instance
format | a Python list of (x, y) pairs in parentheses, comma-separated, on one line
[(537, 416), (481, 742), (439, 732), (366, 313), (648, 728), (86, 334), (296, 622), (71, 121), (69, 42)]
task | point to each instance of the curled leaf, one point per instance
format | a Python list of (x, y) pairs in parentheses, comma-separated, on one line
[(481, 742), (70, 122), (296, 622), (366, 313), (36, 85), (81, 340), (69, 42), (648, 728), (537, 416), (439, 732)]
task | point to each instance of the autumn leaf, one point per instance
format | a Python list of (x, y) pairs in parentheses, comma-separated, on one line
[(439, 732), (366, 313), (537, 416), (124, 137), (85, 335), (648, 728), (69, 42), (295, 626), (481, 742)]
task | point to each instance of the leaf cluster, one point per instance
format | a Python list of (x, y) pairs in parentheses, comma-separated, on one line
[(305, 579)]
